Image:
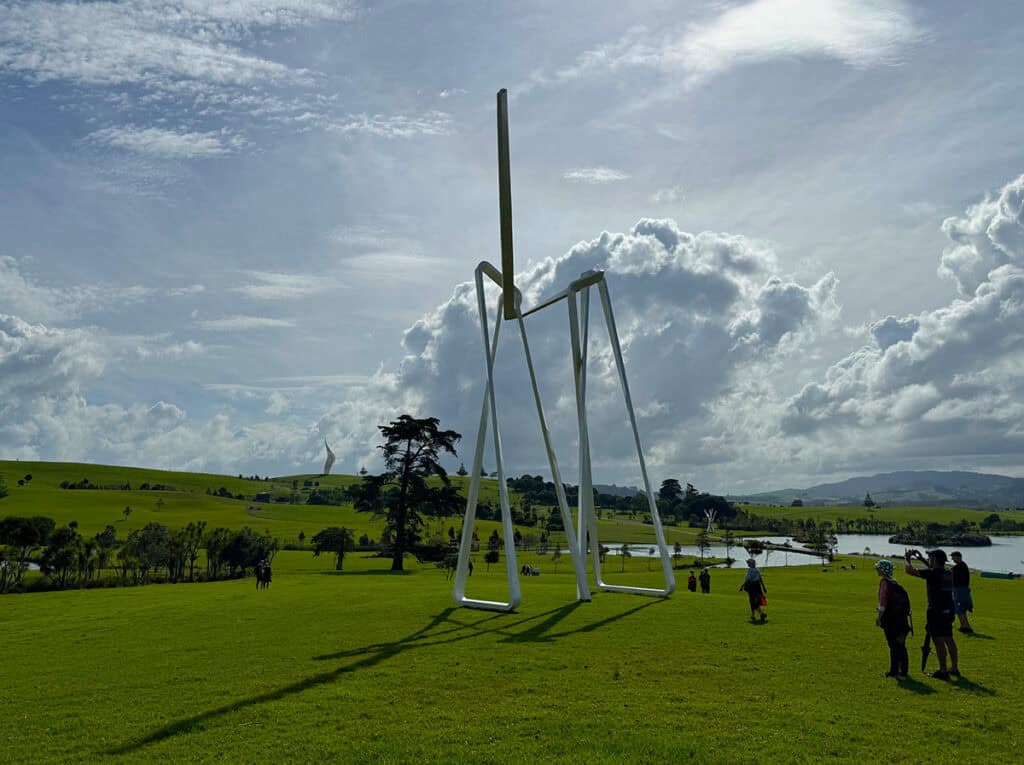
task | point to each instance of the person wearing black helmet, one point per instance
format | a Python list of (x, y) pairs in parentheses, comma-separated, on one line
[(939, 618)]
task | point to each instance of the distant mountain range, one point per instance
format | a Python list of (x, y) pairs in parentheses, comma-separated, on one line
[(910, 487), (616, 491)]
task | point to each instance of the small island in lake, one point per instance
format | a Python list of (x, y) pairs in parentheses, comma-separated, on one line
[(906, 537)]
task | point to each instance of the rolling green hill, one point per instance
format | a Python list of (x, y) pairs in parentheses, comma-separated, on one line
[(193, 498)]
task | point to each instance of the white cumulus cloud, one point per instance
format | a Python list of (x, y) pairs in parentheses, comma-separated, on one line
[(241, 323), (945, 382), (165, 144), (859, 33), (271, 285), (594, 175)]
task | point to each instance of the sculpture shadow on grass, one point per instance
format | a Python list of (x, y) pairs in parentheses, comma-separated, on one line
[(368, 572), (375, 653)]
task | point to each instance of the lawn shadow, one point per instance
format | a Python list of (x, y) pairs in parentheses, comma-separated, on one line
[(915, 686), (369, 572), (978, 636), (539, 633), (963, 684), (375, 653)]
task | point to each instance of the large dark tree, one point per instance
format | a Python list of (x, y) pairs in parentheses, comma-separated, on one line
[(670, 491), (412, 448)]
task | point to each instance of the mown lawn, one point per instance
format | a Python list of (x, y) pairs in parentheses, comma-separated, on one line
[(367, 666)]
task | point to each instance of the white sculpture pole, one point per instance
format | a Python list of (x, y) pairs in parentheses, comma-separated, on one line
[(587, 516), (489, 406)]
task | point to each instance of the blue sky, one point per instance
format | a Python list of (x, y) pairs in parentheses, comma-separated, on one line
[(228, 231)]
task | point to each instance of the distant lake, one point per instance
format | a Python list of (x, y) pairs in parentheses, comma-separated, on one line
[(1005, 555)]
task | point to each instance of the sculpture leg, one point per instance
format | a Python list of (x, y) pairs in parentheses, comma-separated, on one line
[(578, 554), (659, 531), (490, 349)]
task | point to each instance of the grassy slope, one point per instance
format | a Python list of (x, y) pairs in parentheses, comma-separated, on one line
[(367, 666), (93, 509), (900, 514)]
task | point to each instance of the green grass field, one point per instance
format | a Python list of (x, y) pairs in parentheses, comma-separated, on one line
[(367, 666)]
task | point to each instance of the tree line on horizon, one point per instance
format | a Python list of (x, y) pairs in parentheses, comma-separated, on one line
[(151, 554)]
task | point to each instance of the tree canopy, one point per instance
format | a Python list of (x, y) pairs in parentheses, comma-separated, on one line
[(337, 540), (412, 450)]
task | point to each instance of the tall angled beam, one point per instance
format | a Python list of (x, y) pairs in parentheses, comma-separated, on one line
[(505, 208), (489, 407)]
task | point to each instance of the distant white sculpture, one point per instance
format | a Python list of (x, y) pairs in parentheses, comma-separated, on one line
[(330, 458), (710, 514)]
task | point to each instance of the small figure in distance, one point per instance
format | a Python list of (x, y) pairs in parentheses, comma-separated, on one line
[(691, 582), (939, 619), (705, 580), (753, 583), (471, 567), (267, 574), (259, 575), (962, 600), (894, 618)]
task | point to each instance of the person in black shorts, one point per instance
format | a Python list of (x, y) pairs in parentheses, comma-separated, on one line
[(962, 592), (939, 618)]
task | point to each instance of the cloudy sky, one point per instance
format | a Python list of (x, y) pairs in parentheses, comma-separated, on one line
[(230, 229)]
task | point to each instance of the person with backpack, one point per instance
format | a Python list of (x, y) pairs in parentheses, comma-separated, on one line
[(753, 585), (893, 618)]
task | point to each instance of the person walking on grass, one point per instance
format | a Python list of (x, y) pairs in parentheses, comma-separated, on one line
[(939, 619), (753, 583), (705, 580), (894, 618), (962, 600), (691, 582)]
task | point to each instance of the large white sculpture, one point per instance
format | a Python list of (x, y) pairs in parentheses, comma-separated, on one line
[(329, 462), (584, 533)]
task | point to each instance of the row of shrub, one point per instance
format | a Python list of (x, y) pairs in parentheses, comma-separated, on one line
[(154, 553)]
